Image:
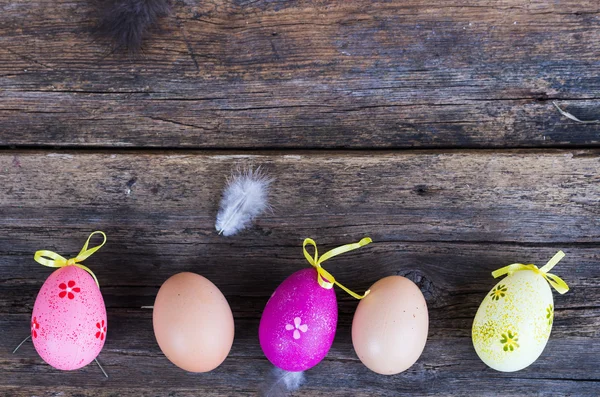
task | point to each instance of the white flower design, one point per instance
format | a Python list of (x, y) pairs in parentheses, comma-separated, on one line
[(297, 327)]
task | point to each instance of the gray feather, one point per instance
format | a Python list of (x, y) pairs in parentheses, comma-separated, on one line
[(244, 198)]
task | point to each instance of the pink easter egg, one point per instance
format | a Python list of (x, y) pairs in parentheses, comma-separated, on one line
[(68, 324), (298, 324)]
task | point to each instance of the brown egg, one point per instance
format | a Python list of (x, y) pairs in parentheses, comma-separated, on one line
[(193, 323), (390, 326)]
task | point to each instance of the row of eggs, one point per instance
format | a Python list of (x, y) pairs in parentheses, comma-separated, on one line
[(194, 325)]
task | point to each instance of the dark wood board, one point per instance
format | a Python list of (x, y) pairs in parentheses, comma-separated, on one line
[(305, 74), (444, 219)]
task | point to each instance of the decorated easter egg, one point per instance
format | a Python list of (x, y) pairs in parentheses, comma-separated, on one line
[(389, 329), (298, 324), (68, 324), (193, 323), (513, 323)]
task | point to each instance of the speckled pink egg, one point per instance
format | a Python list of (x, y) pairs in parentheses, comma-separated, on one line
[(68, 324), (298, 324)]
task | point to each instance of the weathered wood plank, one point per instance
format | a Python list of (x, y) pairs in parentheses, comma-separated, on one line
[(265, 74), (440, 371), (446, 220), (470, 196)]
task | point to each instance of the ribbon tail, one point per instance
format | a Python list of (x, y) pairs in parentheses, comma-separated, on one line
[(87, 269), (552, 262), (352, 293), (324, 278), (558, 283)]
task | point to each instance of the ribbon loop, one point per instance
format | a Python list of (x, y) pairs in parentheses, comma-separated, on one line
[(324, 278), (52, 259), (49, 258), (556, 282)]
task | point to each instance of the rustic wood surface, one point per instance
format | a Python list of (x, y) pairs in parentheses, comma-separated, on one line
[(305, 74), (444, 219), (471, 168)]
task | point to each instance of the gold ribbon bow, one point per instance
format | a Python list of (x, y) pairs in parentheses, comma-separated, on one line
[(52, 259), (552, 279), (326, 279)]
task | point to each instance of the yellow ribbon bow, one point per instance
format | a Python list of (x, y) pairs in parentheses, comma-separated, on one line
[(552, 279), (52, 259), (326, 279)]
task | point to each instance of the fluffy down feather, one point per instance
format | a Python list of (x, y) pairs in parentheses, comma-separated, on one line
[(125, 22), (282, 383), (244, 198)]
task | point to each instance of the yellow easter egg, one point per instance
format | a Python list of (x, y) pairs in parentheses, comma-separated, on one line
[(513, 323)]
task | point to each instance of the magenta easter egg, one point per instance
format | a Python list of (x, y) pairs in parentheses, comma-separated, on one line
[(68, 324), (298, 324)]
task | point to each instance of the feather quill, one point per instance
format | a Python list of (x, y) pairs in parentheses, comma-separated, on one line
[(244, 198), (126, 22), (282, 383)]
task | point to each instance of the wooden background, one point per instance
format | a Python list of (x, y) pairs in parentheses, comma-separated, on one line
[(425, 125)]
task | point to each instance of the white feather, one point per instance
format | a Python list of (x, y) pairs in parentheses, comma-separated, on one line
[(282, 383), (245, 197)]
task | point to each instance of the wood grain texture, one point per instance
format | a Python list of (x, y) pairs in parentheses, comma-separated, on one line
[(271, 75), (305, 74), (443, 219)]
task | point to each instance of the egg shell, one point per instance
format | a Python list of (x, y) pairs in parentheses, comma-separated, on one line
[(390, 326), (513, 323), (68, 323), (193, 323), (298, 324)]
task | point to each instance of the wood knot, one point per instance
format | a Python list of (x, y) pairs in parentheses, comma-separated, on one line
[(542, 97), (423, 282), (421, 190), (131, 182), (263, 231)]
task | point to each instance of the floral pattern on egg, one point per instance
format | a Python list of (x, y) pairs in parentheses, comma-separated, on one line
[(35, 326), (509, 341), (69, 289), (499, 292), (297, 327), (64, 318), (101, 330), (550, 314)]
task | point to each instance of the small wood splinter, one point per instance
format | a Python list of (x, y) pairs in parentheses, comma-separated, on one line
[(570, 116), (29, 337), (21, 344)]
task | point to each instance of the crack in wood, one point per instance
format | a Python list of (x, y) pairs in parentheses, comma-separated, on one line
[(155, 118), (27, 58), (188, 44)]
